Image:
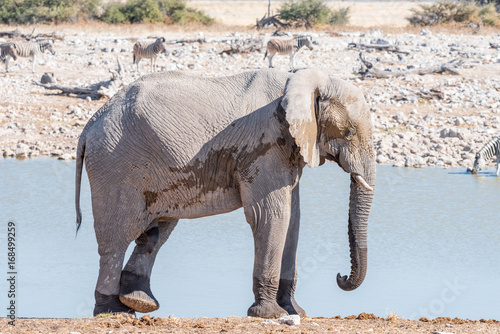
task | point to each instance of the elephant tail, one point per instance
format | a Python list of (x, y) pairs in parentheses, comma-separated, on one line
[(265, 55), (80, 155)]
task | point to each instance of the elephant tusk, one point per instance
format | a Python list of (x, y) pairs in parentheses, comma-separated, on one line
[(359, 179)]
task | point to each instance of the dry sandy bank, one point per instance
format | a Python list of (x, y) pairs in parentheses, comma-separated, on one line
[(364, 323)]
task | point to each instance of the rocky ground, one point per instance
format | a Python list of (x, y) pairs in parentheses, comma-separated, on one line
[(363, 323), (420, 120)]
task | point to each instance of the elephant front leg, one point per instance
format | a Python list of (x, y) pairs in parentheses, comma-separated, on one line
[(269, 219), (288, 278), (135, 290)]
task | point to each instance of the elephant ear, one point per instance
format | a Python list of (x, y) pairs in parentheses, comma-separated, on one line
[(299, 103)]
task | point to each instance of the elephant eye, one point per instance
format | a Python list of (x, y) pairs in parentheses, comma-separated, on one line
[(350, 134)]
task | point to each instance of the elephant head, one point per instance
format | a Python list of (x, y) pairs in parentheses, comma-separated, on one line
[(329, 120)]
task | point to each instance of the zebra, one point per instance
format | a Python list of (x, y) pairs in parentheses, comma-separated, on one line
[(287, 47), (25, 49), (491, 149), (8, 50), (148, 50)]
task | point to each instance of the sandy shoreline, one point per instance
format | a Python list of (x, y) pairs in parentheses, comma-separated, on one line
[(363, 323)]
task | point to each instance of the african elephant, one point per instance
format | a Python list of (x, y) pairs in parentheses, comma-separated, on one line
[(172, 146)]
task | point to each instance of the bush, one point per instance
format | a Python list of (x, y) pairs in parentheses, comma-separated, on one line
[(191, 15), (114, 14), (340, 16), (447, 12), (144, 11), (311, 12), (133, 11), (45, 11), (178, 12)]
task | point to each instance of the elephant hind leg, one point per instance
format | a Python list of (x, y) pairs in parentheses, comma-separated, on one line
[(135, 290), (107, 288)]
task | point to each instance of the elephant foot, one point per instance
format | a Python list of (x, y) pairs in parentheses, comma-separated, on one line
[(110, 304), (266, 309), (135, 293), (286, 300), (292, 308)]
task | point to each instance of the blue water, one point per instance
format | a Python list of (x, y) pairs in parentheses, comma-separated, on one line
[(433, 247)]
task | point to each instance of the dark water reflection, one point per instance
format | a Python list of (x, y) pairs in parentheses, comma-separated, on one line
[(433, 247)]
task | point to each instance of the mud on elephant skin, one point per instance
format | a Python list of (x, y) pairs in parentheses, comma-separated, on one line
[(172, 146)]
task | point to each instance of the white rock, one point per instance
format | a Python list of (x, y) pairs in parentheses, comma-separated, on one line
[(65, 156), (56, 153), (382, 159), (399, 164), (291, 320), (21, 154), (425, 32), (410, 162), (269, 322)]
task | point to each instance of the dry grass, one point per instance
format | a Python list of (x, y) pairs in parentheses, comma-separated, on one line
[(392, 316), (173, 31)]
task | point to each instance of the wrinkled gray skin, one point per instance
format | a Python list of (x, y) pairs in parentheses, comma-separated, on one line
[(172, 146)]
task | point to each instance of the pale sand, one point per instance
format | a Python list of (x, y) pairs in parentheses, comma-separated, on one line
[(362, 14)]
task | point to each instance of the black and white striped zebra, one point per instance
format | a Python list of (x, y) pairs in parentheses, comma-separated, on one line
[(7, 51), (25, 49), (287, 47), (148, 50), (491, 149)]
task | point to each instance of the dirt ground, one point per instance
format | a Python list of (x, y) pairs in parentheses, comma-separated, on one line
[(363, 323)]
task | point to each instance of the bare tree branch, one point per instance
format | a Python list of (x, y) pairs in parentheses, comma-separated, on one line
[(377, 73), (380, 47), (106, 88)]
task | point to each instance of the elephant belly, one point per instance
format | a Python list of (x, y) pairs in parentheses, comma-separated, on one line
[(192, 204)]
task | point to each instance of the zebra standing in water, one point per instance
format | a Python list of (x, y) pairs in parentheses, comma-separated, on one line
[(148, 50), (287, 47), (25, 49), (8, 50), (491, 149)]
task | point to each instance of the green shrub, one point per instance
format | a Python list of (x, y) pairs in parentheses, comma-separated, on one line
[(133, 11), (191, 15), (340, 16), (169, 7), (114, 14), (43, 11), (311, 12), (178, 12), (447, 12), (144, 11)]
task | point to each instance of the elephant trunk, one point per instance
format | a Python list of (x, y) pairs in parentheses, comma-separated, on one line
[(359, 209)]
